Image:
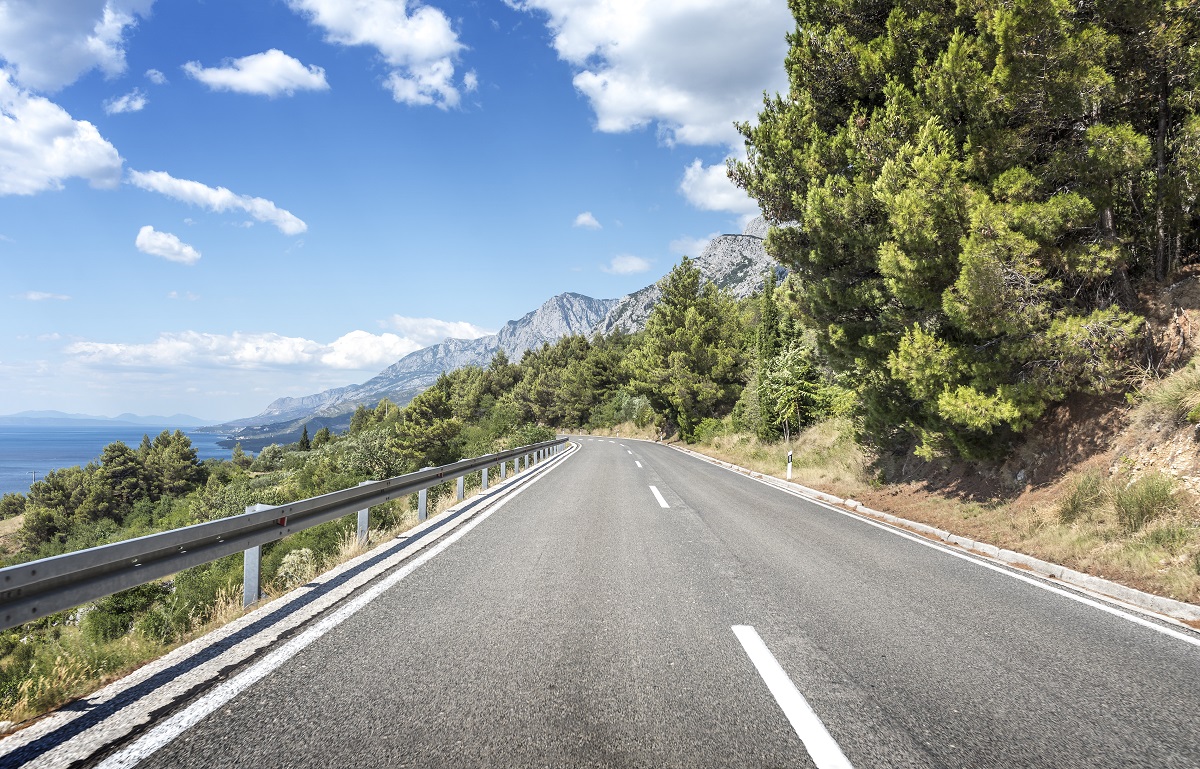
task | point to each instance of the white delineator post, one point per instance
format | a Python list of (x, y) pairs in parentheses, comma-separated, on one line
[(789, 472)]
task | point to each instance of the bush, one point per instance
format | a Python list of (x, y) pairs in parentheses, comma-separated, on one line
[(298, 566), (1085, 495), (1143, 500), (707, 430)]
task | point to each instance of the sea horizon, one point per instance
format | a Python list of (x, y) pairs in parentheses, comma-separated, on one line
[(28, 451)]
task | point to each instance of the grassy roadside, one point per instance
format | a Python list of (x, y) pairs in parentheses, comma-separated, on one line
[(44, 668), (1141, 529)]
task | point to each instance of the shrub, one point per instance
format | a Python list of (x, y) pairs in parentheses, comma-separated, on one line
[(298, 566), (1143, 500), (1083, 497), (707, 430)]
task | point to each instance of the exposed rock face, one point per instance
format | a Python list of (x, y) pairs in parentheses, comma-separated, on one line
[(563, 315), (736, 263)]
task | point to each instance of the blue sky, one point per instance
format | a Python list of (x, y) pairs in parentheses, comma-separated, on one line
[(208, 204)]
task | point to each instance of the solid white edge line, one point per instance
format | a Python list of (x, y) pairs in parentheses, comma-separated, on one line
[(173, 727), (658, 495), (821, 747), (978, 561)]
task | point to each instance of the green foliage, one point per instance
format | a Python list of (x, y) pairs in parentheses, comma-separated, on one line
[(690, 358), (965, 194), (305, 444), (12, 505), (1145, 499)]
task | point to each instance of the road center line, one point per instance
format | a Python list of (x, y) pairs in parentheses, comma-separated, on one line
[(627, 451), (639, 464), (658, 495), (824, 752)]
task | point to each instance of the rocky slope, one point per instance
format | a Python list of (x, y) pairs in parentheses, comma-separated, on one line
[(283, 419), (736, 263)]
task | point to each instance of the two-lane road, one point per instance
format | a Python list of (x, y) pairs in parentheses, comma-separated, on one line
[(590, 622)]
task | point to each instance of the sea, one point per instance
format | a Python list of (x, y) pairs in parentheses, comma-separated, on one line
[(31, 452)]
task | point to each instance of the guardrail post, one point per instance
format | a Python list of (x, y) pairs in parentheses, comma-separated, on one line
[(504, 470), (364, 520), (251, 566), (483, 478), (462, 487)]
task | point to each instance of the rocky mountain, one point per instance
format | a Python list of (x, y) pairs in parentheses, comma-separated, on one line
[(736, 263), (283, 419)]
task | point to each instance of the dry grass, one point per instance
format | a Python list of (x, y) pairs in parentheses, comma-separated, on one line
[(1140, 531)]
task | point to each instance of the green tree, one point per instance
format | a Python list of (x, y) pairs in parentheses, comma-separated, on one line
[(322, 437), (305, 443), (961, 191), (689, 360)]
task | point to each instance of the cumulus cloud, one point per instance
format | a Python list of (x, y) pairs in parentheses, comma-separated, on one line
[(357, 350), (417, 43), (134, 101), (470, 81), (587, 221), (270, 73), (690, 69), (709, 188), (49, 45), (693, 247), (41, 145), (217, 199), (428, 331), (164, 244), (42, 296), (626, 264), (156, 77)]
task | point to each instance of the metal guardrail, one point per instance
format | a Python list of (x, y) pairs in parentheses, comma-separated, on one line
[(32, 590)]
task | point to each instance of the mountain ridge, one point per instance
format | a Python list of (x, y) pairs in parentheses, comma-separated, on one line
[(735, 262)]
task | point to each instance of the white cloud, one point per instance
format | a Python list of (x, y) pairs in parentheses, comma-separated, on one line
[(41, 145), (709, 188), (357, 350), (692, 247), (188, 295), (626, 264), (470, 81), (217, 199), (420, 47), (50, 44), (692, 67), (156, 77), (586, 220), (428, 331), (42, 296), (360, 350), (134, 101), (270, 73), (164, 244)]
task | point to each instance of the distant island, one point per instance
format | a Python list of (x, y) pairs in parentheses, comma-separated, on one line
[(62, 419)]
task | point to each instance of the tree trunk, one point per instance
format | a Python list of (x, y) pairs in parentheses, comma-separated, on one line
[(1160, 152)]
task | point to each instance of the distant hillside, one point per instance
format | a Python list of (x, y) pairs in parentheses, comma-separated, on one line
[(736, 263), (63, 419)]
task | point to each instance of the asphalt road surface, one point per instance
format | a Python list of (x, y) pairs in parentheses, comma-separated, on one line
[(585, 624)]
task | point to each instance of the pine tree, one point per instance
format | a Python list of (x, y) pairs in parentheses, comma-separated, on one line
[(689, 361), (305, 443), (962, 191)]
